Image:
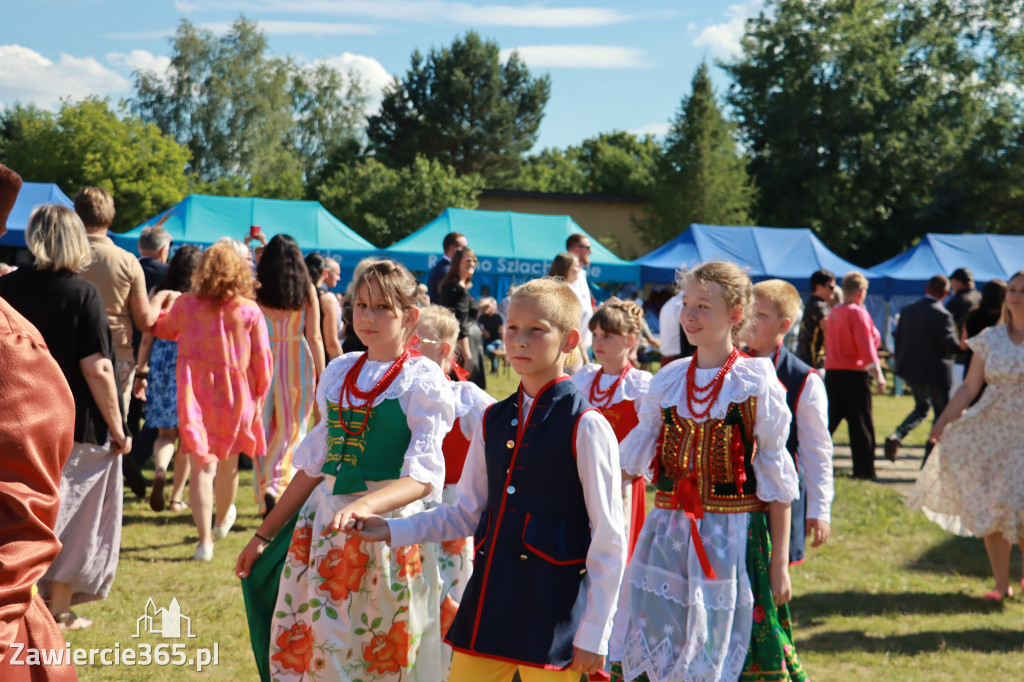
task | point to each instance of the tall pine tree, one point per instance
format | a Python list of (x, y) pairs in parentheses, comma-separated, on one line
[(701, 176)]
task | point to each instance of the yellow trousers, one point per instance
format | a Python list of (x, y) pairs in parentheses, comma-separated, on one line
[(469, 668)]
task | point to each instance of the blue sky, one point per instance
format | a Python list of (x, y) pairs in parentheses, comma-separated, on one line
[(613, 65)]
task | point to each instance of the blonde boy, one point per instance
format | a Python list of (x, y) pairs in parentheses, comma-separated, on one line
[(776, 307)]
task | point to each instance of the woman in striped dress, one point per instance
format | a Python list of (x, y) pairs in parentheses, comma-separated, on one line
[(289, 303)]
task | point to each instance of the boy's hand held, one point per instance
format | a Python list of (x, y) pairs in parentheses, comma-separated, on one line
[(586, 661), (371, 528)]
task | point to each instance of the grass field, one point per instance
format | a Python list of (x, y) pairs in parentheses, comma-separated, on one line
[(891, 596)]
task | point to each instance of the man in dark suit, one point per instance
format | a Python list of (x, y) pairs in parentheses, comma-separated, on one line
[(965, 298), (453, 241), (925, 343)]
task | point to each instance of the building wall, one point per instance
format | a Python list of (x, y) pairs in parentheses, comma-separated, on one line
[(607, 219)]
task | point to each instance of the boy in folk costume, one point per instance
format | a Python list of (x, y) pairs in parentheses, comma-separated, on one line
[(541, 490), (776, 306)]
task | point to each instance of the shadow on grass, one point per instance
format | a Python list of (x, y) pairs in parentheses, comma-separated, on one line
[(813, 609), (981, 641), (960, 556)]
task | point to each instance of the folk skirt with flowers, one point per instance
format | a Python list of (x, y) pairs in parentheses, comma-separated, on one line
[(353, 610), (455, 563)]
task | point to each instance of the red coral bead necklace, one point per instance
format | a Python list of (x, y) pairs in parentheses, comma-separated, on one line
[(603, 398), (699, 399), (350, 391)]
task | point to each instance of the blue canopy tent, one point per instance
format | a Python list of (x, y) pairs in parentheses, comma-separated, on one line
[(987, 256), (510, 247), (202, 220), (32, 194), (789, 253)]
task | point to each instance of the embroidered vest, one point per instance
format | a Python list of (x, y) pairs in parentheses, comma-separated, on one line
[(377, 454), (455, 447), (792, 372), (529, 585), (718, 453)]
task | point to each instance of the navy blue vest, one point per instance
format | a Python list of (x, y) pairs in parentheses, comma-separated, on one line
[(792, 372), (529, 585)]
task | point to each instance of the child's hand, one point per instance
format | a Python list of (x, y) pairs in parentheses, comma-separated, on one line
[(782, 589), (820, 530), (371, 528), (344, 521), (586, 661), (248, 557)]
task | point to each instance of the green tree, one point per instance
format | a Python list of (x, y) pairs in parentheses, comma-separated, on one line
[(866, 119), (617, 164), (88, 143), (701, 177), (254, 124), (386, 204), (464, 108)]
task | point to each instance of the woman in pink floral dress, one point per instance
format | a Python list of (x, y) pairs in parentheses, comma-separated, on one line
[(975, 485), (224, 372)]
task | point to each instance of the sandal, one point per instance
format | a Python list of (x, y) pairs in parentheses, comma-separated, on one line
[(178, 505), (70, 621), (996, 595)]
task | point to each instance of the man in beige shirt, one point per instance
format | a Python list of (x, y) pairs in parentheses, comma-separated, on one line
[(118, 276)]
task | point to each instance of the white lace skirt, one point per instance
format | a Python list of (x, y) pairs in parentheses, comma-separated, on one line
[(673, 622)]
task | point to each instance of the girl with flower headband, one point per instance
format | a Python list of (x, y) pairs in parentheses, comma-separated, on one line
[(705, 594), (436, 336), (347, 609), (616, 388)]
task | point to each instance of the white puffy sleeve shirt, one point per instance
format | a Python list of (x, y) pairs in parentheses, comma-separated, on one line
[(776, 475), (634, 386), (815, 449), (425, 396), (597, 461)]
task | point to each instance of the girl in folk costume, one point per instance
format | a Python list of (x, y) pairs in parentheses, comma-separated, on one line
[(347, 609), (704, 597), (437, 334), (616, 388)]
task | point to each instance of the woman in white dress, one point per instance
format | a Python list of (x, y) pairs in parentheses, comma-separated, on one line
[(974, 483)]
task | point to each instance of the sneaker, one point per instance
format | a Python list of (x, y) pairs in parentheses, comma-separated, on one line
[(203, 553), (220, 532), (892, 447)]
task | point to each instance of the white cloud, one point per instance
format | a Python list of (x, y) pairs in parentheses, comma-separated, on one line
[(373, 75), (184, 7), (282, 28), (656, 129), (724, 38), (578, 56), (28, 76), (139, 60), (435, 11)]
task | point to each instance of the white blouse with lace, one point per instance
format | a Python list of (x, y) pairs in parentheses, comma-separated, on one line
[(423, 393), (471, 402), (633, 387)]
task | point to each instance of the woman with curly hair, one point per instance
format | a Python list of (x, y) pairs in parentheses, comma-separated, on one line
[(223, 374), (288, 299)]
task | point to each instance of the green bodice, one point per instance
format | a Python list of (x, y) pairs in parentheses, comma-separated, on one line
[(377, 454)]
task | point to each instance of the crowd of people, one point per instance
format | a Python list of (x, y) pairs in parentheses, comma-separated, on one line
[(414, 526)]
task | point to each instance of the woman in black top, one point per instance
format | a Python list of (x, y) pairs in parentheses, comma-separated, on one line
[(455, 296)]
